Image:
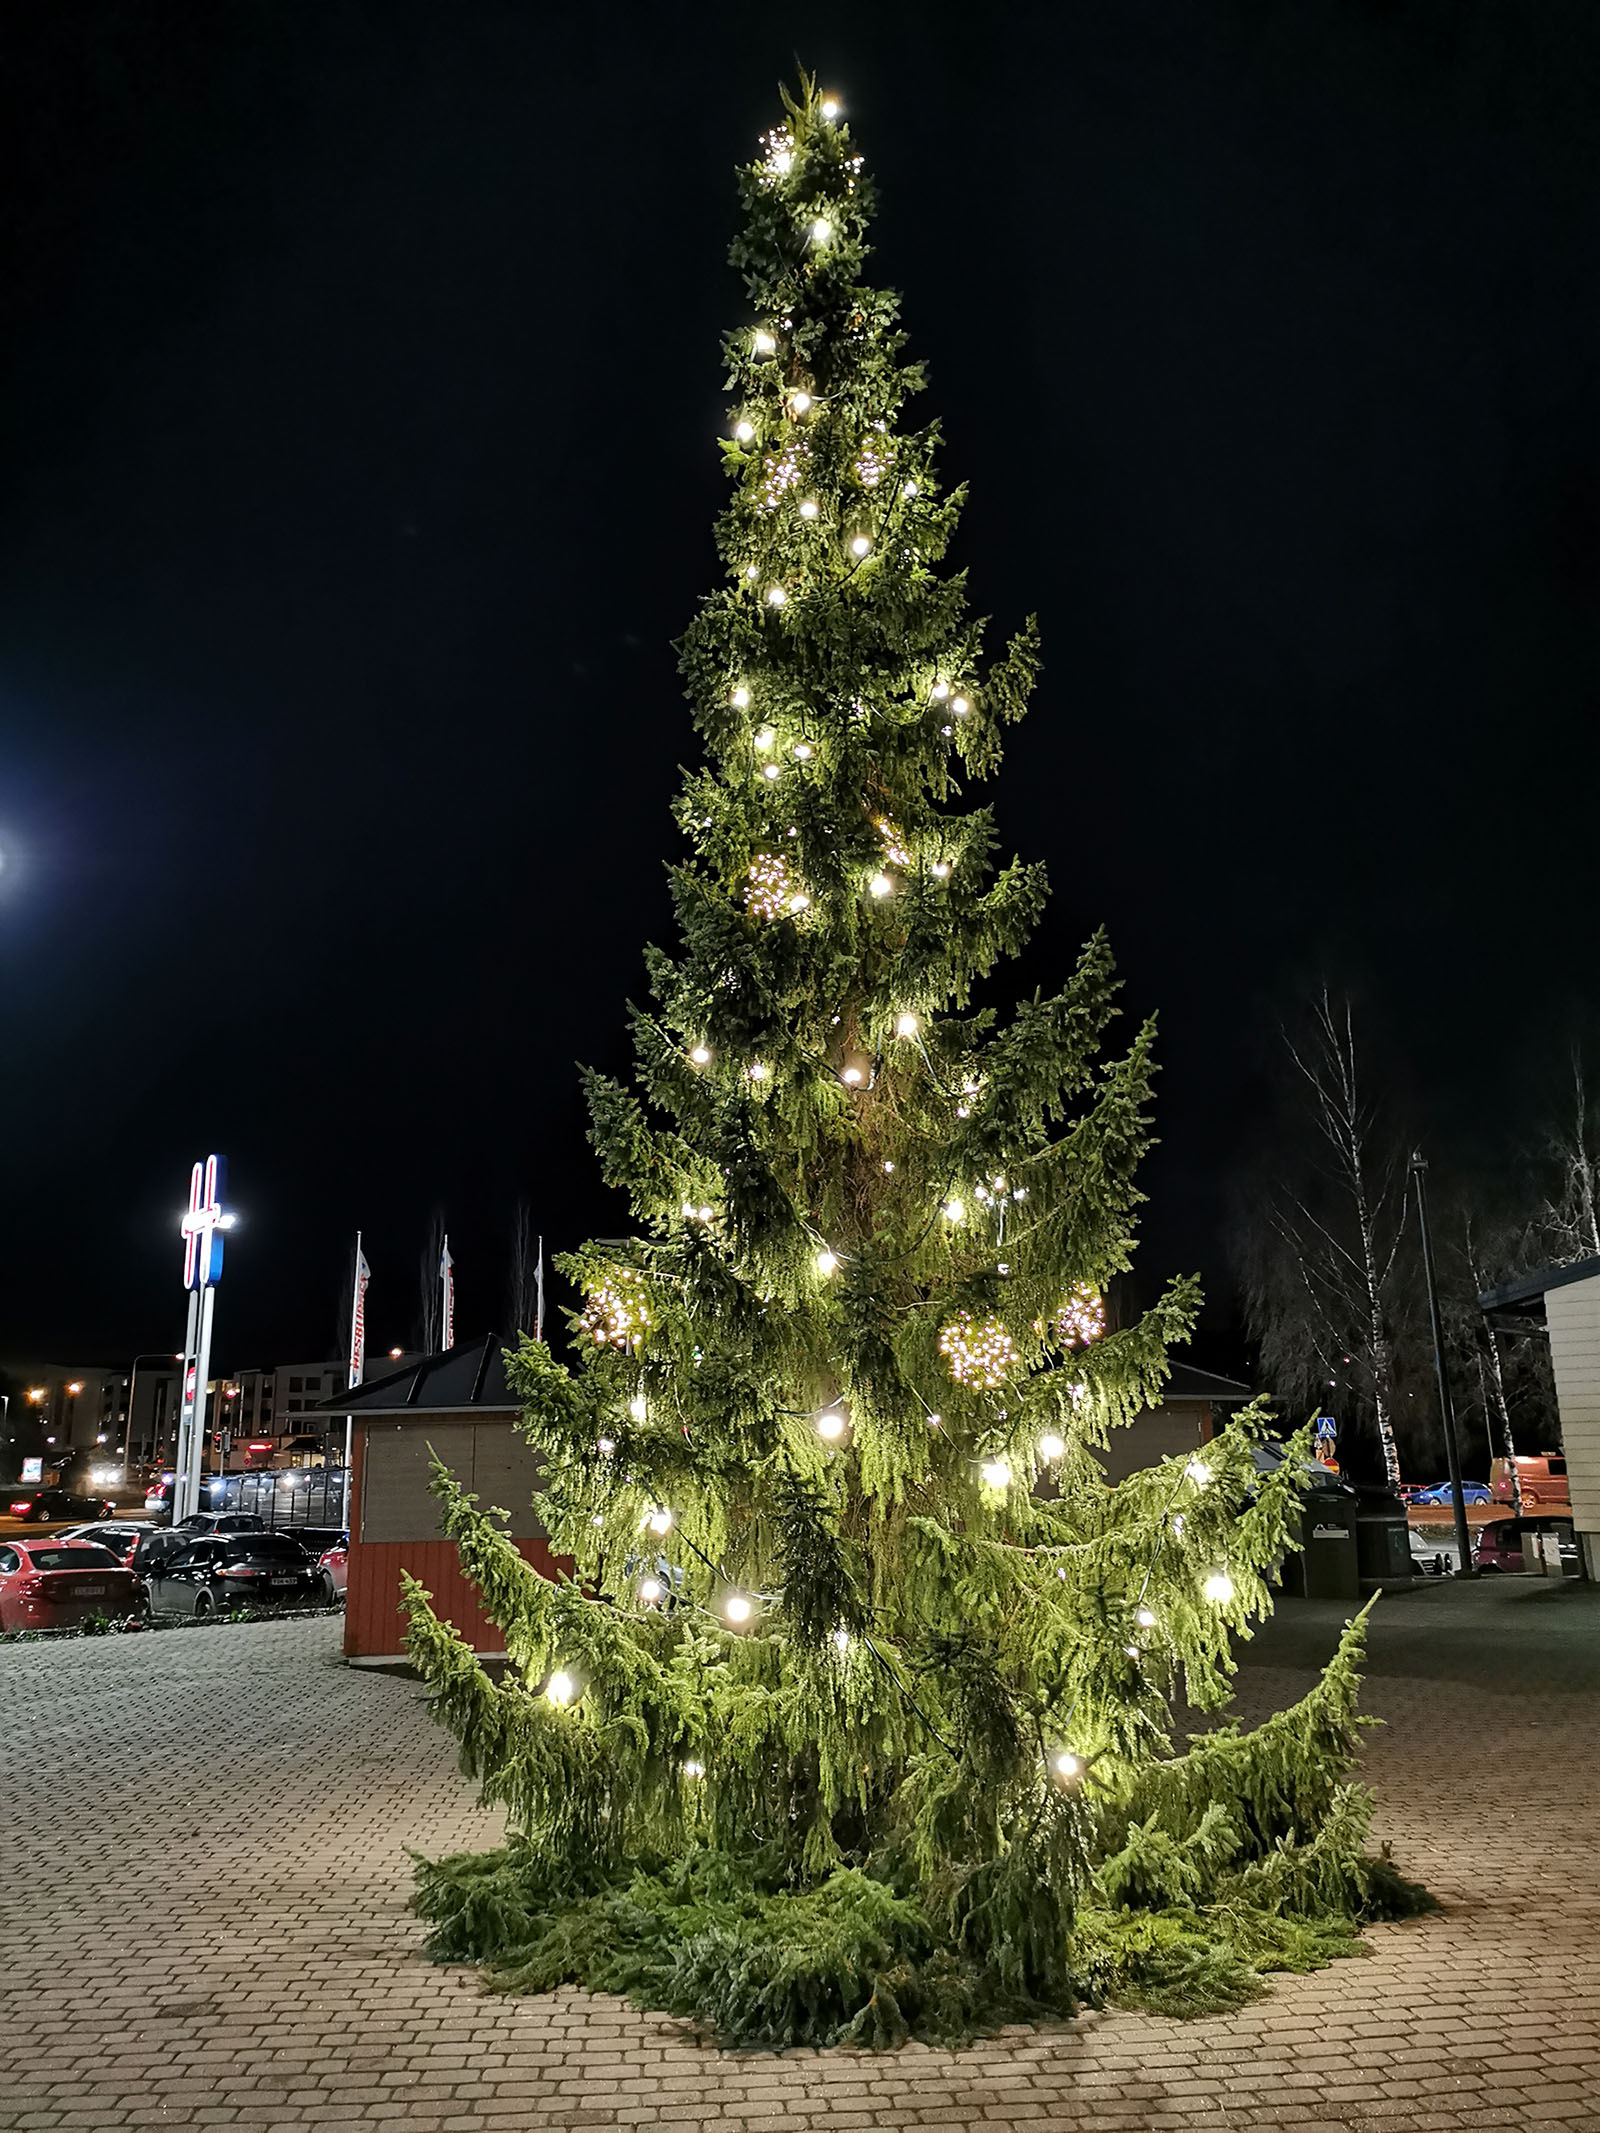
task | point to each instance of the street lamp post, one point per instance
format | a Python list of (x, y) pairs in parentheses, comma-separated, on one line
[(1447, 1412), (148, 1355)]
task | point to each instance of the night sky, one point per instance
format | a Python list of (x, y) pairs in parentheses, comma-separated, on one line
[(361, 396)]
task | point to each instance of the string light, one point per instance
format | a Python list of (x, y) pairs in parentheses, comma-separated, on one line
[(1218, 1587), (841, 1641), (799, 403), (618, 1310), (803, 751), (996, 1474), (941, 869), (935, 1421), (821, 230), (881, 885), (770, 888), (871, 465), (561, 1688), (941, 689), (781, 473), (852, 1075), (906, 1025), (861, 545), (764, 344), (701, 1055), (1198, 1472), (638, 1407), (809, 508), (888, 1167), (763, 738), (1146, 1618), (744, 432), (799, 902), (692, 1769), (830, 109), (737, 1608), (1082, 1318), (605, 1446), (740, 698), (961, 707), (771, 772), (759, 1070), (1051, 1446), (651, 1591), (895, 849), (659, 1521), (909, 491), (705, 1214), (831, 1426), (776, 596), (980, 1351), (827, 1262), (954, 1211)]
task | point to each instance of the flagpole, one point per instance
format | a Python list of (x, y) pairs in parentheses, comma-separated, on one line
[(357, 1366), (538, 1284)]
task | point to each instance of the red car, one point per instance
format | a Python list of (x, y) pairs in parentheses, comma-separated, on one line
[(52, 1584), (334, 1565)]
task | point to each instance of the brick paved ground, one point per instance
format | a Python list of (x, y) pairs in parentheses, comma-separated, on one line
[(204, 1918)]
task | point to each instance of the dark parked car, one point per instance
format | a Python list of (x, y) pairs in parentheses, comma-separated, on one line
[(226, 1570), (1501, 1544), (161, 1542), (44, 1506)]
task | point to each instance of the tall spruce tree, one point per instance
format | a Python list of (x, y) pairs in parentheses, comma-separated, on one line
[(853, 1716)]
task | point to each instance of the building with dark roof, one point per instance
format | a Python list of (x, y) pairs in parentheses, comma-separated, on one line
[(1567, 1299)]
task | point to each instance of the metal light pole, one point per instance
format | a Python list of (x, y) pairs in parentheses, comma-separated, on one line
[(1447, 1412)]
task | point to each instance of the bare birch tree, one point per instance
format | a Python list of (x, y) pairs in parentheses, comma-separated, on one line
[(1324, 1243), (1569, 1221), (523, 1293), (430, 1299)]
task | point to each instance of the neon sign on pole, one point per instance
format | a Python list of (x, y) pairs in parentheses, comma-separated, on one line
[(203, 1227)]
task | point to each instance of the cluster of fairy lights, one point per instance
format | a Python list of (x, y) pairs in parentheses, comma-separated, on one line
[(780, 473), (980, 1351), (894, 845), (770, 890), (1082, 1318), (618, 1310)]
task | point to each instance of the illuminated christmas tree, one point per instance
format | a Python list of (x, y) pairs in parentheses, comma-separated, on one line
[(853, 1719)]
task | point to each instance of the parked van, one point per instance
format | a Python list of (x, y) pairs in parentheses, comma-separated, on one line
[(1543, 1477)]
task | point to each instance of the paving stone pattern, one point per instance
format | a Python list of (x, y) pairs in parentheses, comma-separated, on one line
[(202, 1847)]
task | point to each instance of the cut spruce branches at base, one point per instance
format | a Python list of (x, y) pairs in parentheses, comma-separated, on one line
[(853, 1720)]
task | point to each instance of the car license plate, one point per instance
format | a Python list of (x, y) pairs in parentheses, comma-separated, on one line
[(89, 1592), (285, 1581)]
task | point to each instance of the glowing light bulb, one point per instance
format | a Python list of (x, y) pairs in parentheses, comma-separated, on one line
[(830, 109), (1051, 1446), (1146, 1618), (941, 689), (1020, 1192), (827, 1262), (961, 707), (606, 1446), (803, 751), (758, 1070), (954, 1211), (638, 1407), (688, 1210), (770, 771), (1067, 1766), (660, 1520), (763, 738), (561, 1688), (701, 1055), (744, 432), (1218, 1588), (881, 885), (799, 902), (852, 1076), (1198, 1472), (763, 344), (861, 545), (909, 491), (887, 1167), (740, 699), (941, 869), (906, 1025), (737, 1608), (821, 230), (692, 1769), (996, 1473), (705, 1214), (936, 1421), (799, 403), (831, 1426), (750, 570), (841, 1640), (809, 508), (776, 596), (651, 1590)]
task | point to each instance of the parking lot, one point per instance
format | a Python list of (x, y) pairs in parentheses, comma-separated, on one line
[(203, 1843)]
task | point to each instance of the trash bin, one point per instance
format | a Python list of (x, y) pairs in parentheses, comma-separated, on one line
[(1383, 1536), (1327, 1566)]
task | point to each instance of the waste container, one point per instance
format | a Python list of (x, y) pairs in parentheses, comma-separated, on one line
[(1383, 1536), (1327, 1566)]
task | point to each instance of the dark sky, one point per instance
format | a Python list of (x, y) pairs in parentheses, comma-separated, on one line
[(359, 414)]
